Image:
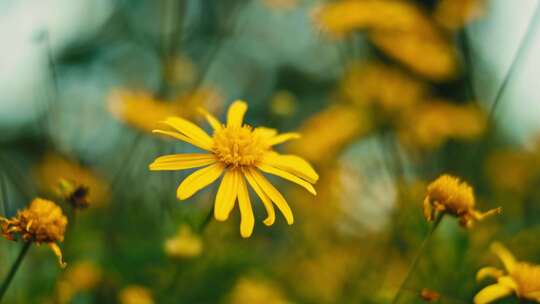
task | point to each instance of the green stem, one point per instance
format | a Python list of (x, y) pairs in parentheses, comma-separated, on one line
[(14, 269), (414, 264)]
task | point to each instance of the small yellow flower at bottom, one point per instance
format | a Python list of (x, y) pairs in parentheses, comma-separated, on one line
[(185, 244), (135, 294), (239, 152), (41, 222), (448, 195), (520, 278)]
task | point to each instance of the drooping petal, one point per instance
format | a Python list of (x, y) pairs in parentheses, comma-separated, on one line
[(281, 138), (488, 272), (235, 115), (226, 195), (212, 120), (190, 130), (271, 213), (182, 138), (56, 249), (247, 219), (506, 257), (198, 180), (288, 176), (491, 293), (292, 164), (273, 194), (181, 161)]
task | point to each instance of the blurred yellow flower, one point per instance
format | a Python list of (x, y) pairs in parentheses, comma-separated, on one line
[(42, 222), (432, 123), (382, 86), (239, 152), (254, 291), (320, 142), (135, 294), (80, 277), (58, 175), (520, 278), (142, 111), (398, 28), (283, 103), (454, 14), (185, 244), (449, 195)]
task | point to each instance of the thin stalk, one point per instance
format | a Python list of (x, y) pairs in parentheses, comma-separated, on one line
[(414, 264), (14, 269)]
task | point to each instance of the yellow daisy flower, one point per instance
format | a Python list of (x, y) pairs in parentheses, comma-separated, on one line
[(448, 195), (238, 152), (520, 278)]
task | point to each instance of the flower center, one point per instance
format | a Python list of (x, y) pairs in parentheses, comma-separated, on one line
[(238, 146)]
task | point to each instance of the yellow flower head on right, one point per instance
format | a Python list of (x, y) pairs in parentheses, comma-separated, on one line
[(520, 278), (449, 195), (41, 222)]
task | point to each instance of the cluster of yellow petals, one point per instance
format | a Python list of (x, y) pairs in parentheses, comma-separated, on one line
[(42, 222), (520, 278), (142, 111), (135, 294), (238, 152), (449, 195), (454, 14), (58, 175), (80, 277), (398, 28), (431, 123), (185, 244), (255, 290)]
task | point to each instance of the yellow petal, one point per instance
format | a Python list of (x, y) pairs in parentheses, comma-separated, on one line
[(226, 195), (181, 161), (491, 293), (212, 120), (508, 282), (488, 272), (506, 257), (288, 176), (265, 133), (198, 180), (235, 116), (182, 138), (190, 130), (54, 247), (271, 214), (247, 220), (292, 164), (273, 194), (281, 138)]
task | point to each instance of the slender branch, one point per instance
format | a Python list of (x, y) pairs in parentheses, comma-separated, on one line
[(414, 264), (14, 269)]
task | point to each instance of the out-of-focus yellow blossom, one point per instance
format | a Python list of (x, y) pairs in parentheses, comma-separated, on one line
[(135, 294), (80, 277), (454, 14), (398, 28), (239, 152), (520, 278), (185, 244), (281, 4), (326, 133), (41, 222), (253, 291), (430, 124), (143, 111), (449, 195), (382, 86), (57, 175), (283, 103), (180, 70), (512, 170)]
